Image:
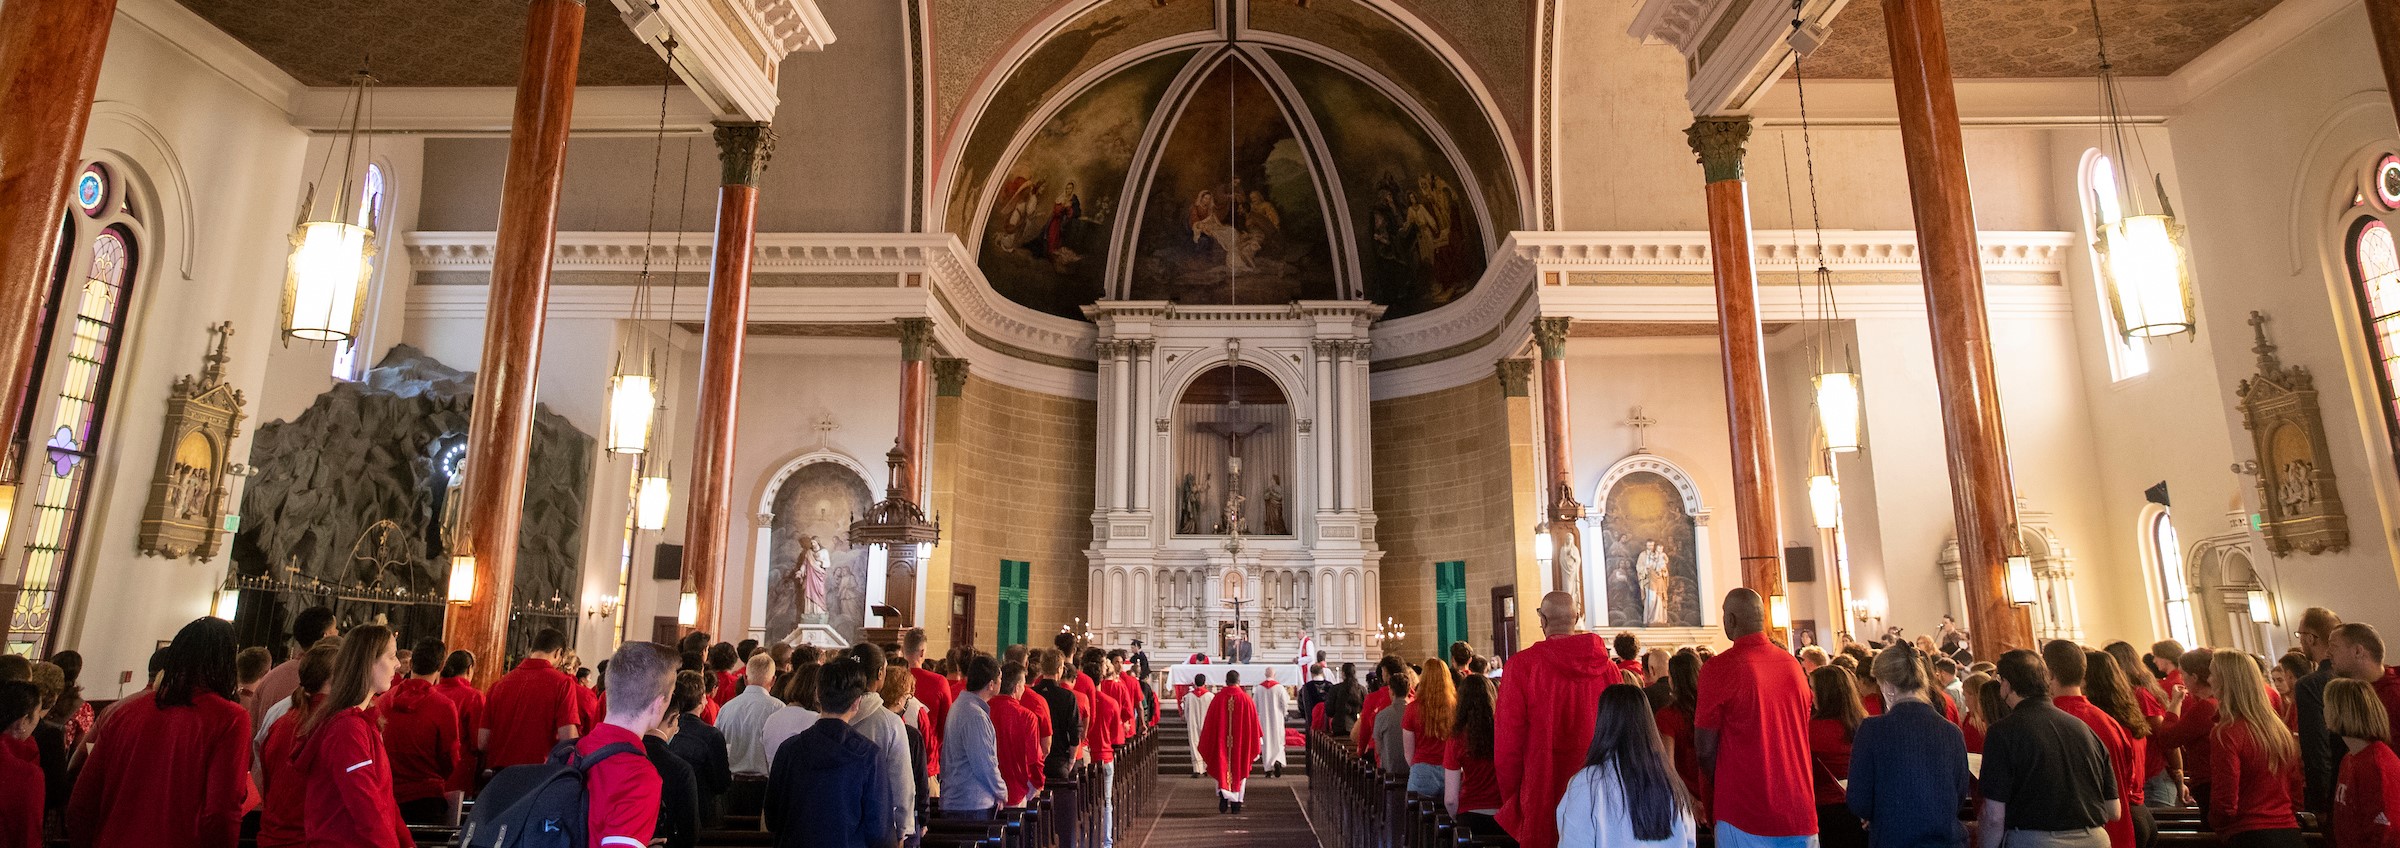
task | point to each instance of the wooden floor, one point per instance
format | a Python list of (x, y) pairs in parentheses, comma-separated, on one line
[(1189, 819)]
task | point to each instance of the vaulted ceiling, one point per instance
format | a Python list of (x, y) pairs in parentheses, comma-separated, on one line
[(421, 42), (2021, 39)]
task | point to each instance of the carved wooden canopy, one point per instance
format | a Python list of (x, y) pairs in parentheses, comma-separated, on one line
[(2298, 502), (186, 513)]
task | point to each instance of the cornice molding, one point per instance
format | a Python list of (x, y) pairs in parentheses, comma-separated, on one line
[(729, 51)]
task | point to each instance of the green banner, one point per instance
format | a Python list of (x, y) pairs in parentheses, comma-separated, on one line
[(1449, 603), (1016, 579)]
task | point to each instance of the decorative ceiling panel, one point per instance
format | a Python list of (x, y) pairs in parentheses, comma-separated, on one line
[(421, 42), (2016, 39), (970, 35)]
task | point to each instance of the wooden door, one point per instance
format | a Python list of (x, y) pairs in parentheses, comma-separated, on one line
[(665, 631), (1504, 621), (962, 615)]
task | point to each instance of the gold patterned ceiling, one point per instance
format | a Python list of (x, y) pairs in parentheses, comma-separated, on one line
[(2018, 39), (420, 42)]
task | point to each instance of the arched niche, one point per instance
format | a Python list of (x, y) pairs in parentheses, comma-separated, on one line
[(816, 494), (1646, 549), (1225, 404)]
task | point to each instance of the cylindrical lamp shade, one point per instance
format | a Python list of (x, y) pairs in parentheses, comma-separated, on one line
[(1837, 410), (1543, 546), (2261, 611), (2147, 266), (631, 400), (1779, 611), (462, 578), (228, 604), (1825, 501), (687, 610), (2021, 591), (650, 504), (325, 285)]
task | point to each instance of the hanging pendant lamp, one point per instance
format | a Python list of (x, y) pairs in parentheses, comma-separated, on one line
[(652, 495), (2145, 259), (1825, 501), (1837, 387), (632, 398), (333, 261), (1837, 410)]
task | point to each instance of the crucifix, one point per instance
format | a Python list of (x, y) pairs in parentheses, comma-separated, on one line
[(1641, 425), (1234, 432), (825, 425)]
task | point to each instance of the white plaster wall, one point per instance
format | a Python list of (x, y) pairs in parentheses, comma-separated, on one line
[(217, 162), (1679, 383)]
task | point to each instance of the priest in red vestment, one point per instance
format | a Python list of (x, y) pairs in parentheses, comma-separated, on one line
[(1229, 741), (1543, 725)]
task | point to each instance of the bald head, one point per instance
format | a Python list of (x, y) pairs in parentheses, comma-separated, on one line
[(1745, 613), (1558, 614)]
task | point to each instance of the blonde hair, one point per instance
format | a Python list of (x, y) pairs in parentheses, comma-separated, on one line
[(2352, 710), (2242, 705)]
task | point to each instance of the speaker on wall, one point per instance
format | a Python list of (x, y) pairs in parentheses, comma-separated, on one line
[(667, 564), (1800, 565)]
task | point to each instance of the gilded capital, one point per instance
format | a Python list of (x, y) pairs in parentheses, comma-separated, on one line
[(1516, 377), (1718, 141), (949, 376), (916, 339), (1551, 334), (743, 150)]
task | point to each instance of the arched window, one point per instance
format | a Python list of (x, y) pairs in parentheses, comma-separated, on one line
[(82, 327), (372, 212), (2375, 270), (2175, 587), (2128, 357)]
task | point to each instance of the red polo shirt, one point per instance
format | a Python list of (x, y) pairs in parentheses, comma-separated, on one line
[(2124, 760), (1100, 734), (1020, 745), (2387, 690), (1362, 734), (623, 788), (524, 712), (1756, 700)]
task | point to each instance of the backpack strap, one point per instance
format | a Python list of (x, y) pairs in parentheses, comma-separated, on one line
[(585, 762)]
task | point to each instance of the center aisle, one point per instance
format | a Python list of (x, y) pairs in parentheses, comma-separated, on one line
[(1188, 818)]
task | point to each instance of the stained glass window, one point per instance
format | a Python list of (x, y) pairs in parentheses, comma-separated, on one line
[(2375, 268), (83, 362)]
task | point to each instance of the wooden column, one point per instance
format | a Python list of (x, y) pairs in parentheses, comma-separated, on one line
[(742, 150), (916, 360), (500, 426), (1758, 532), (1558, 469), (2383, 18), (49, 66), (1980, 490)]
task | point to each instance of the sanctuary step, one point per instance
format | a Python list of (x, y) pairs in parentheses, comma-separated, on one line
[(1175, 737)]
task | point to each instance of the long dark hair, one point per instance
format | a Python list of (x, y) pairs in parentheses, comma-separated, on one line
[(1836, 693), (2104, 684), (1471, 724), (352, 683), (1683, 681), (199, 660), (1625, 740)]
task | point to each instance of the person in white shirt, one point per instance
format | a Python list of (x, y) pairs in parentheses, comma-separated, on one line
[(796, 715), (1627, 793), (743, 721)]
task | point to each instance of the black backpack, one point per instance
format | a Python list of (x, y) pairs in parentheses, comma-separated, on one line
[(539, 806)]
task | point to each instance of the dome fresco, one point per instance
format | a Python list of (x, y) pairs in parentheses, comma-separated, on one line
[(1234, 173)]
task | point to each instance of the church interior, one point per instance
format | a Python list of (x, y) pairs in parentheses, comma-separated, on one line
[(1198, 322)]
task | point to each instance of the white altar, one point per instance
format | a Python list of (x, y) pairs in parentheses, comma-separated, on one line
[(1234, 467)]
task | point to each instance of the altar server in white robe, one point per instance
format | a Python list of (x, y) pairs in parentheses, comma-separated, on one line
[(1195, 706), (1274, 703)]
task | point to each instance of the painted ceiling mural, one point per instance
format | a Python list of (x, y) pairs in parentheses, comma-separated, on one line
[(1232, 213), (1045, 240)]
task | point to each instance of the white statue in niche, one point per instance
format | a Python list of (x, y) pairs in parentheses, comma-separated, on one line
[(812, 573), (1651, 566)]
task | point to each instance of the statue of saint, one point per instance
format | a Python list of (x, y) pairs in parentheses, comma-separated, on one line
[(1275, 523), (1187, 507), (811, 572), (1656, 580)]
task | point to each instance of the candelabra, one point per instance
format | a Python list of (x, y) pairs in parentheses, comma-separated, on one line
[(1390, 635)]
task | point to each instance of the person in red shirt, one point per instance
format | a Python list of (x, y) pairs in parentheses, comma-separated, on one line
[(341, 759), (1753, 722), (1629, 656), (622, 785), (588, 703), (531, 709), (1362, 734), (1470, 784), (724, 672), (2366, 795), (308, 627), (283, 814), (1019, 735), (1119, 684), (2166, 663), (1425, 725), (2113, 694), (2068, 670), (23, 790), (2253, 760), (1675, 728), (460, 689), (1229, 741), (1543, 720), (2191, 717), (1832, 725), (420, 735), (172, 767), (933, 690), (2358, 655)]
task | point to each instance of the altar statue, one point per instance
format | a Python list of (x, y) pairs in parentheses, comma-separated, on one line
[(1651, 566), (1187, 507), (1275, 523), (812, 574)]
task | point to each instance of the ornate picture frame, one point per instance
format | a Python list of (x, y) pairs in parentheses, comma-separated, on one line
[(185, 515), (2299, 506)]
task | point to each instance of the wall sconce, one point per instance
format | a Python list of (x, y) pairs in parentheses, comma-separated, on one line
[(1779, 611), (1543, 547), (687, 610), (462, 578), (2021, 590), (605, 606), (228, 603), (2261, 612)]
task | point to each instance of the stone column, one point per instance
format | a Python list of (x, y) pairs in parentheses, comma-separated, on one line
[(1981, 493), (1323, 428), (1355, 427), (743, 150), (1127, 408), (1109, 432), (1145, 405), (49, 66), (500, 424), (1758, 529), (949, 425), (1525, 492), (1558, 473)]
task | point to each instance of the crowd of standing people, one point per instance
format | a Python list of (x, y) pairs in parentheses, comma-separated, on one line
[(354, 738)]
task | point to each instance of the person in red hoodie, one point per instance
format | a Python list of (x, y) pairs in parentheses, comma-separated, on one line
[(933, 690), (22, 788), (1543, 722), (282, 816), (1019, 736), (2068, 669), (420, 732), (531, 709), (2253, 760), (2191, 717), (341, 758), (2358, 655), (459, 689), (1753, 731), (2366, 795), (172, 768), (1229, 741)]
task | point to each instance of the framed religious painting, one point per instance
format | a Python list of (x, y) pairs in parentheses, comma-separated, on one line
[(186, 511)]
